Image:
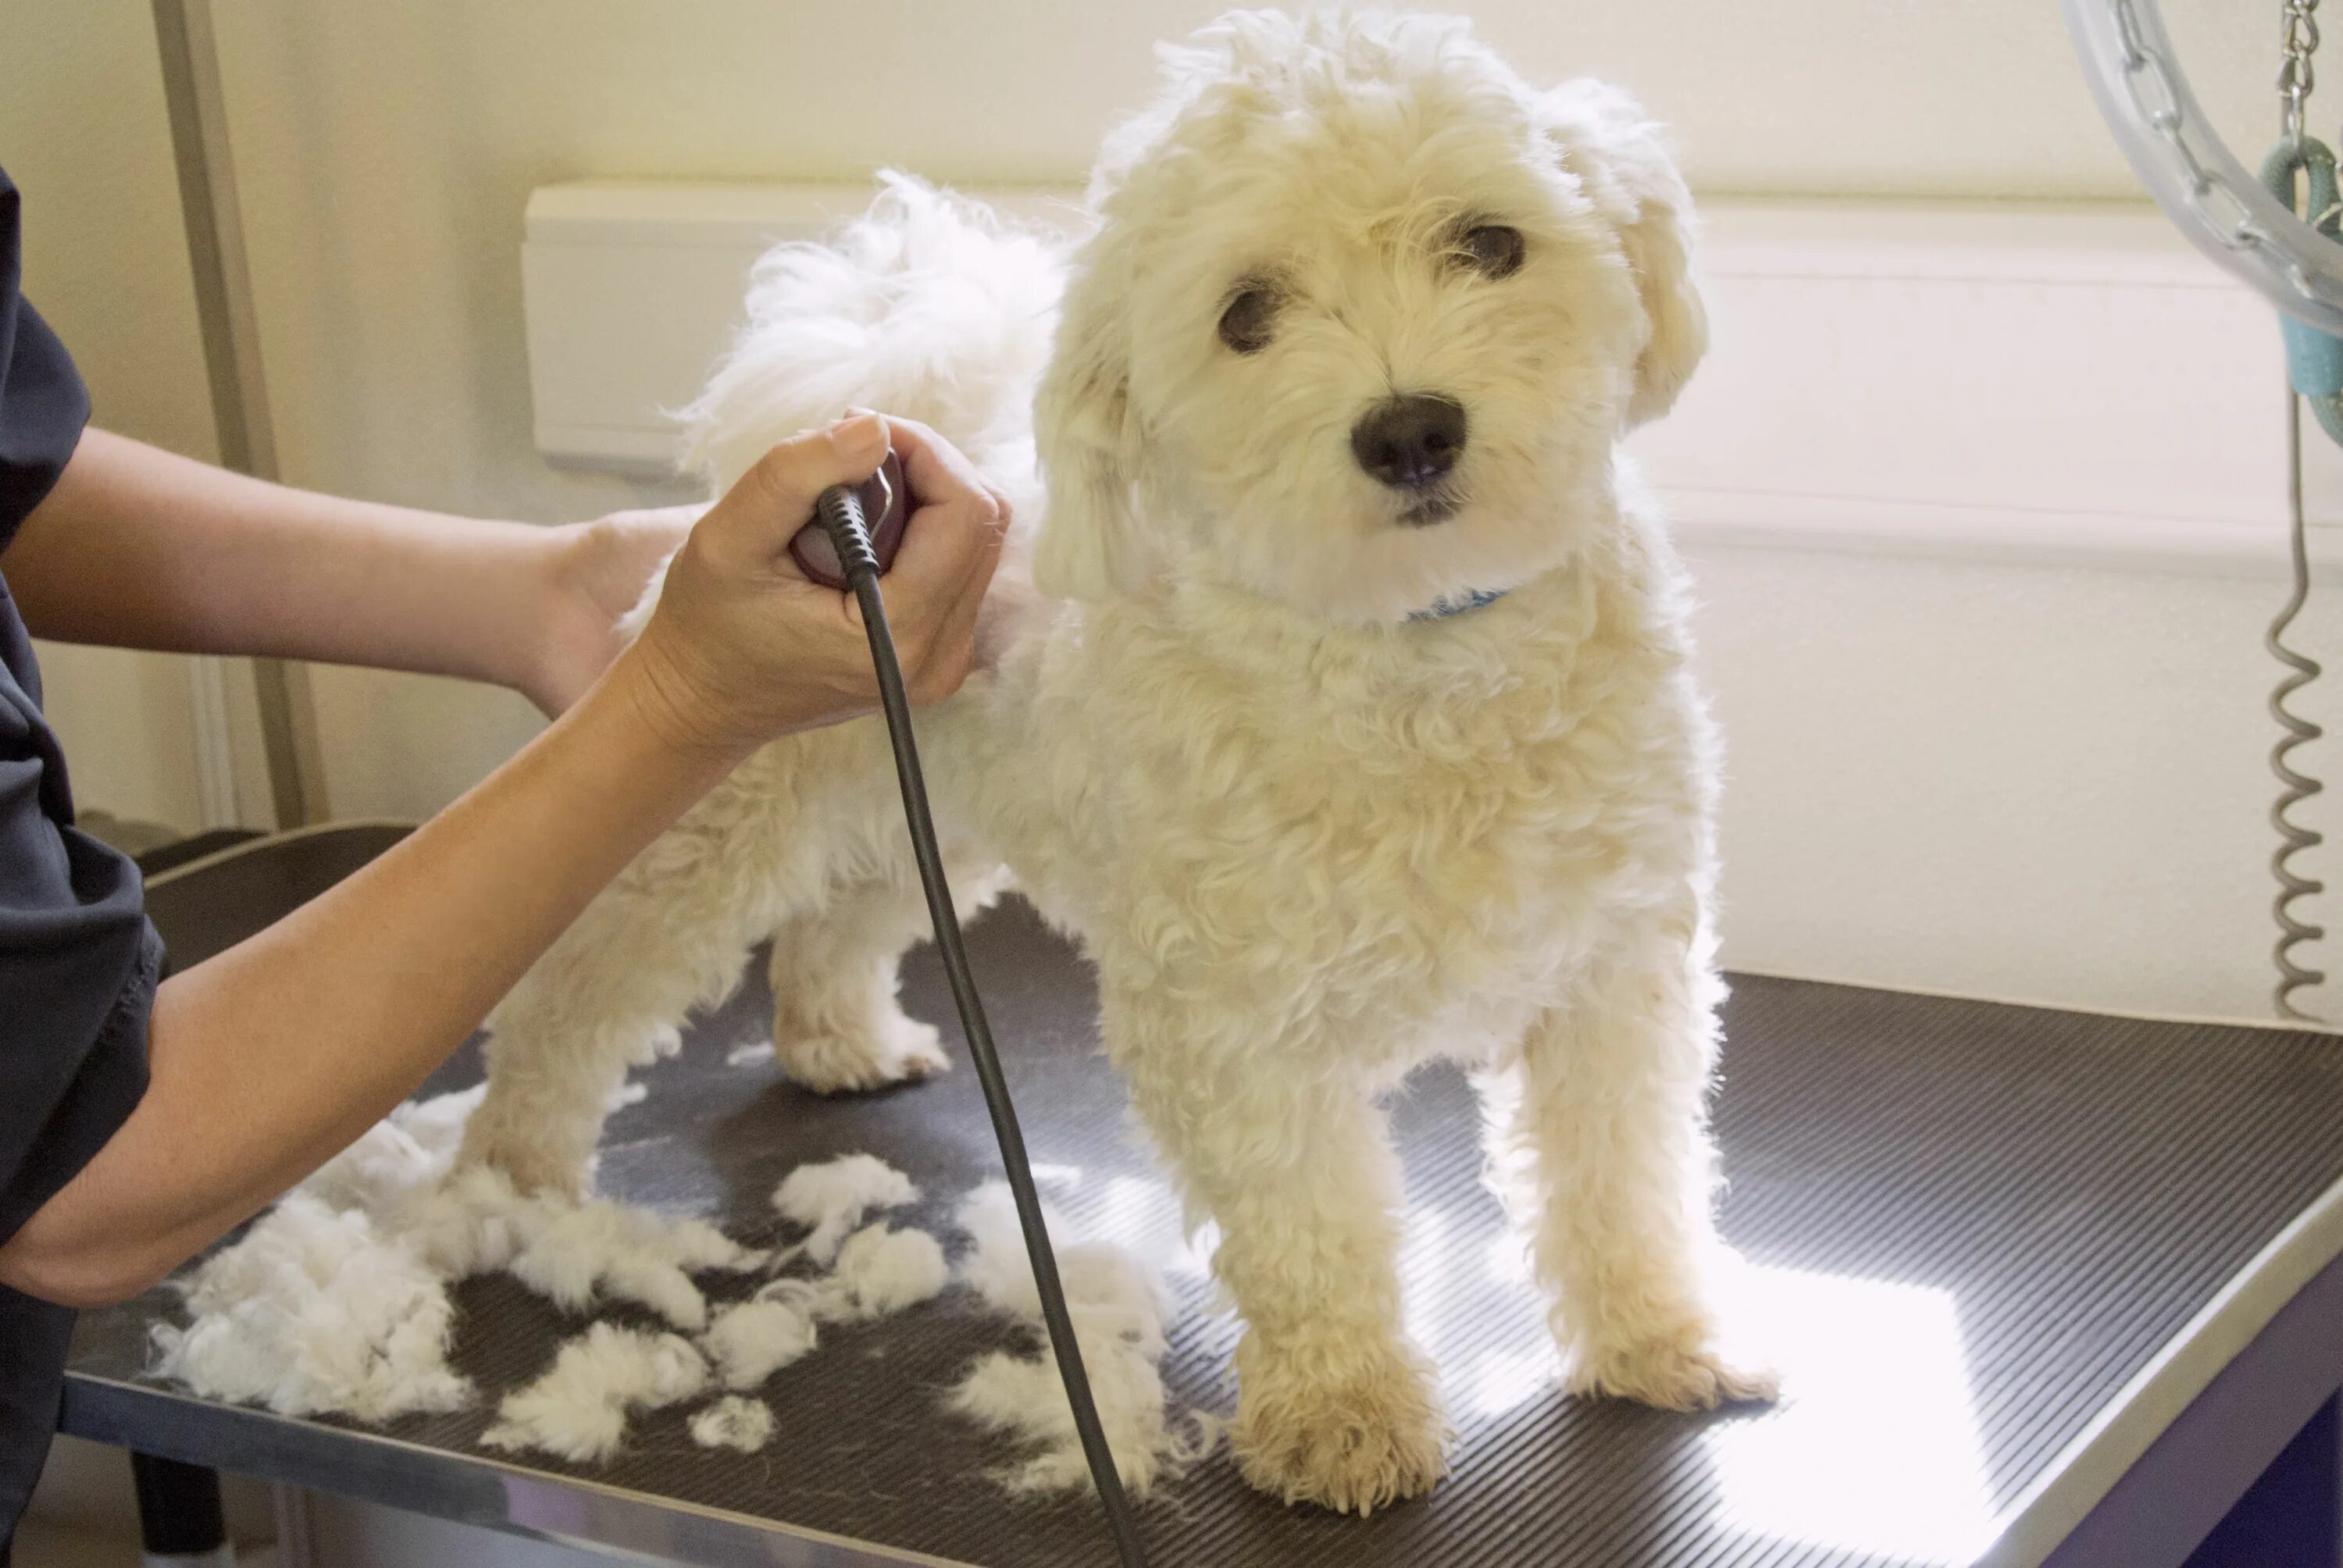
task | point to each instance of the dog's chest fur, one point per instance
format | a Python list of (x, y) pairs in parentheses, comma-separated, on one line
[(1429, 824)]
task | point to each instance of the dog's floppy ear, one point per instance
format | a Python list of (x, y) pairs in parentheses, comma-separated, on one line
[(1089, 546), (1623, 162)]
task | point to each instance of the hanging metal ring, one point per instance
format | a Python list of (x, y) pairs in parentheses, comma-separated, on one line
[(2211, 197)]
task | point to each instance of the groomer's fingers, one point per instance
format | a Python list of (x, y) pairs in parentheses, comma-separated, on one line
[(945, 653), (940, 576), (938, 583), (935, 469), (955, 643), (758, 516), (951, 658)]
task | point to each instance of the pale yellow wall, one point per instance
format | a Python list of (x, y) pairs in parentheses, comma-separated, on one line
[(2111, 852), (82, 131), (385, 152)]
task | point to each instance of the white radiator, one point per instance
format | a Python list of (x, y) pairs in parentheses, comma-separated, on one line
[(632, 290), (2032, 382)]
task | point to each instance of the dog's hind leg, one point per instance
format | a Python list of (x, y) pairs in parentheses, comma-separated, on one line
[(1599, 1144), (669, 934), (837, 1024), (1335, 1406)]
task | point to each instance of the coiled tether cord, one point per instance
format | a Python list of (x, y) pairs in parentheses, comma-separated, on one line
[(2301, 169), (2294, 838), (839, 512)]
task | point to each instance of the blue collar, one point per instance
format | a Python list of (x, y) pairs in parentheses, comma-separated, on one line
[(1441, 608)]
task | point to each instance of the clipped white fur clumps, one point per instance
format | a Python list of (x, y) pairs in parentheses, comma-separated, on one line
[(750, 1054), (578, 1408), (473, 1223), (336, 1300), (880, 1270), (733, 1421), (572, 1253), (604, 1248), (751, 1341), (313, 1310), (1118, 1304), (322, 1306), (832, 1198), (404, 1151)]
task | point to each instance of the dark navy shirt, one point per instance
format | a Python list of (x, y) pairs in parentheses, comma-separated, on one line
[(77, 958)]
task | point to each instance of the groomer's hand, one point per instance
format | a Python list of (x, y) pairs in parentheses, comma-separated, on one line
[(590, 575), (743, 647)]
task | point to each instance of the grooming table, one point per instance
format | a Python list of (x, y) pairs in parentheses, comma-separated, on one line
[(2050, 1287)]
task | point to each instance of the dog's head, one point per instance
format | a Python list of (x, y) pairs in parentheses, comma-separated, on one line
[(1362, 322)]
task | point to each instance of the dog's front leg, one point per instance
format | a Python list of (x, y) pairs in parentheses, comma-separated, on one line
[(1600, 1143), (1293, 1161)]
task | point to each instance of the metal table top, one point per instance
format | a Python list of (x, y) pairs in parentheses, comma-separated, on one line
[(1998, 1247)]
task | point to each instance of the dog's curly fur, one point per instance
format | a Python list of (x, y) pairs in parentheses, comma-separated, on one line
[(1309, 840)]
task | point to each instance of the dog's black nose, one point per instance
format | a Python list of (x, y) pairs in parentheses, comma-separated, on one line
[(1410, 441)]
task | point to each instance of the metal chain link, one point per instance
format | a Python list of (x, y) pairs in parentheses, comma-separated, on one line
[(2148, 78), (2299, 37), (2296, 79)]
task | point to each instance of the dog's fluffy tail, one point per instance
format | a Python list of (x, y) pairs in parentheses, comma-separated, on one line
[(931, 306)]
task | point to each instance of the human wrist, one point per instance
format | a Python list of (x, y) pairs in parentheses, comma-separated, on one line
[(543, 591), (651, 687)]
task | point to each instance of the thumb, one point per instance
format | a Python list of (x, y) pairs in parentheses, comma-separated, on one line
[(775, 498)]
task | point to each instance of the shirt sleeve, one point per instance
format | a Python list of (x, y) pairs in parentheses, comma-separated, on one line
[(78, 961), (42, 403)]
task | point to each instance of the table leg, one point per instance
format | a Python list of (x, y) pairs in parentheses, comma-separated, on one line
[(180, 1521)]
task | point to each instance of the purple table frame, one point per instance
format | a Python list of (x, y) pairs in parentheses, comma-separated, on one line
[(2250, 1475)]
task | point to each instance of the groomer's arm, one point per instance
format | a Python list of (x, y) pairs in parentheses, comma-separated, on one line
[(271, 1057), (140, 547)]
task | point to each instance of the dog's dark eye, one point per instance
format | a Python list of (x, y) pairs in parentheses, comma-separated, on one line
[(1493, 250), (1250, 320)]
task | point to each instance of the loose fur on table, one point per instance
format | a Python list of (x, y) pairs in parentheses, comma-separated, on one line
[(1312, 830), (755, 1339), (325, 1304), (831, 1199), (336, 1300), (1118, 1304), (316, 1311), (578, 1408), (745, 1424)]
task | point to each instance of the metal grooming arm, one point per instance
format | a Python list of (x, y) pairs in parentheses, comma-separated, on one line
[(239, 394)]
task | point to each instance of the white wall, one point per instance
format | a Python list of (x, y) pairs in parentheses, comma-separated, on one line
[(2014, 782)]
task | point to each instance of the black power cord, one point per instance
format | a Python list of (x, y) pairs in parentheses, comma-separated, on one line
[(839, 511)]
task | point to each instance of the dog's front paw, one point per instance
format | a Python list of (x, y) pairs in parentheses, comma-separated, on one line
[(1691, 1372), (899, 1050), (1369, 1437)]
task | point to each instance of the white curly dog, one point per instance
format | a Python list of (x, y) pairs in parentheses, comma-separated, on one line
[(1346, 719)]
